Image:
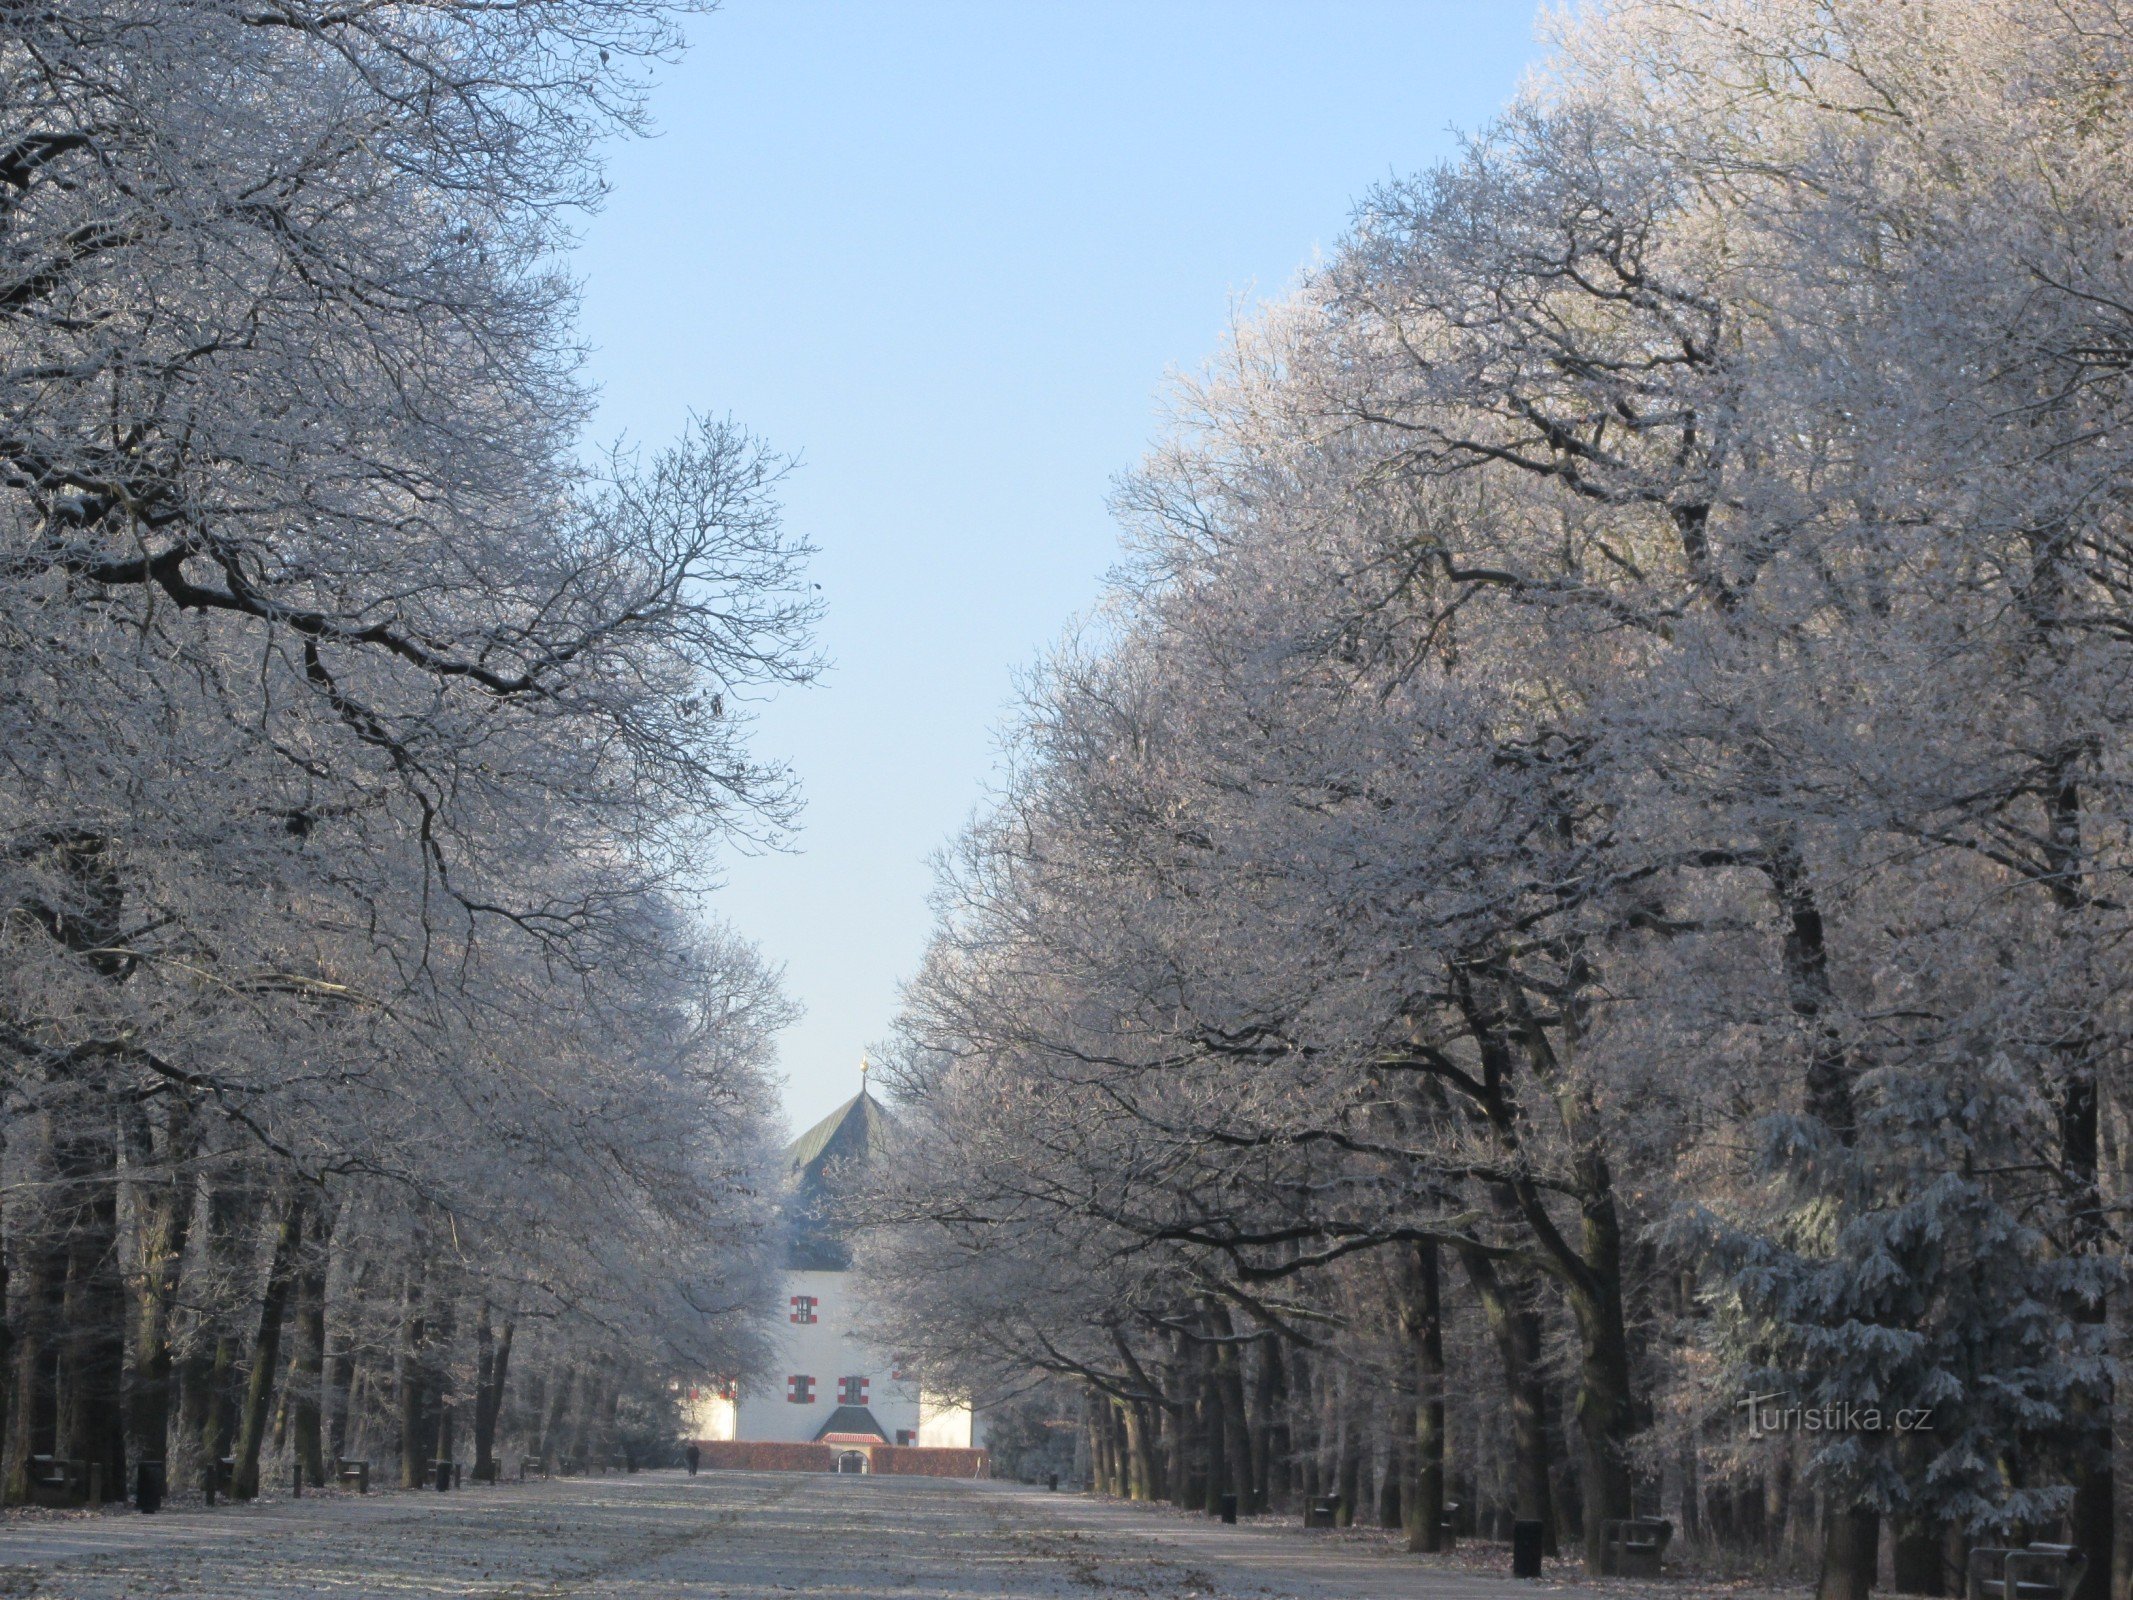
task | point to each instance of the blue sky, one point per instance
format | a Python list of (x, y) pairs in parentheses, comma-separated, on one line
[(946, 254)]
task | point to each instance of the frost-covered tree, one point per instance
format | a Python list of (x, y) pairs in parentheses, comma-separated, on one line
[(1604, 764), (367, 743)]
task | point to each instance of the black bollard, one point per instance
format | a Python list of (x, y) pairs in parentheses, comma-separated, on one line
[(148, 1486), (444, 1476), (1526, 1549), (1229, 1509), (1051, 1482), (695, 1456)]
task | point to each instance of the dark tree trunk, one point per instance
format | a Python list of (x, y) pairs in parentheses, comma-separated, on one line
[(1394, 1488), (552, 1441), (1350, 1477), (1916, 1557), (1422, 1311), (590, 1396), (1851, 1548), (163, 1199), (347, 1358), (308, 1377), (1193, 1450), (205, 1376), (410, 1377), (36, 1310), (439, 1394), (1213, 1431), (495, 1372), (1514, 1321), (1103, 1457), (92, 1363), (1236, 1424), (7, 1350), (266, 1346), (1590, 1272), (1264, 1403)]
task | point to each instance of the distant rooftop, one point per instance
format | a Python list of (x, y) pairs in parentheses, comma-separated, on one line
[(854, 1129), (848, 1137)]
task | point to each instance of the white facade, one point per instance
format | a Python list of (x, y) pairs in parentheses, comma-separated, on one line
[(825, 1361)]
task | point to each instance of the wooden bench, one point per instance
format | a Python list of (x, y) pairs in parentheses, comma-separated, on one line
[(530, 1466), (1323, 1512), (1633, 1547), (59, 1481), (355, 1472), (2033, 1572)]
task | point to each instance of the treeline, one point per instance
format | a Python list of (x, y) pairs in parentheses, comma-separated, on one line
[(1584, 859), (370, 1083)]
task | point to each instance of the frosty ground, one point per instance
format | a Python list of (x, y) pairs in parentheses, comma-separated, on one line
[(724, 1536)]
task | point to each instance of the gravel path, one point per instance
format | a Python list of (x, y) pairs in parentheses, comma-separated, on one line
[(721, 1536)]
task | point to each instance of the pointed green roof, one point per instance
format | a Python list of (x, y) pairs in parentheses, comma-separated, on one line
[(847, 1137), (855, 1129)]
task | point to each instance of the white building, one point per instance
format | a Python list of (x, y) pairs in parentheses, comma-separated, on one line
[(829, 1384)]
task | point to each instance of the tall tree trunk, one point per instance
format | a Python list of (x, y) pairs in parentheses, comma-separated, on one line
[(1140, 1484), (1103, 1457), (495, 1364), (1214, 1429), (410, 1374), (1305, 1414), (1263, 1406), (7, 1347), (91, 1380), (552, 1441), (1349, 1433), (308, 1374), (205, 1376), (1280, 1441), (163, 1203), (1422, 1312), (1590, 1271), (341, 1397), (1851, 1549), (438, 1394), (1515, 1325), (1236, 1423), (590, 1390), (610, 1437), (37, 1311), (1192, 1429), (266, 1345), (1396, 1481)]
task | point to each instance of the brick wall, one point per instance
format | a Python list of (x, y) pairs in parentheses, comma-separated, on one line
[(931, 1462), (919, 1461), (749, 1455)]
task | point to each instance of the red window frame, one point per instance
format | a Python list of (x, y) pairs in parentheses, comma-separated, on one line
[(803, 1308), (851, 1391), (800, 1389)]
